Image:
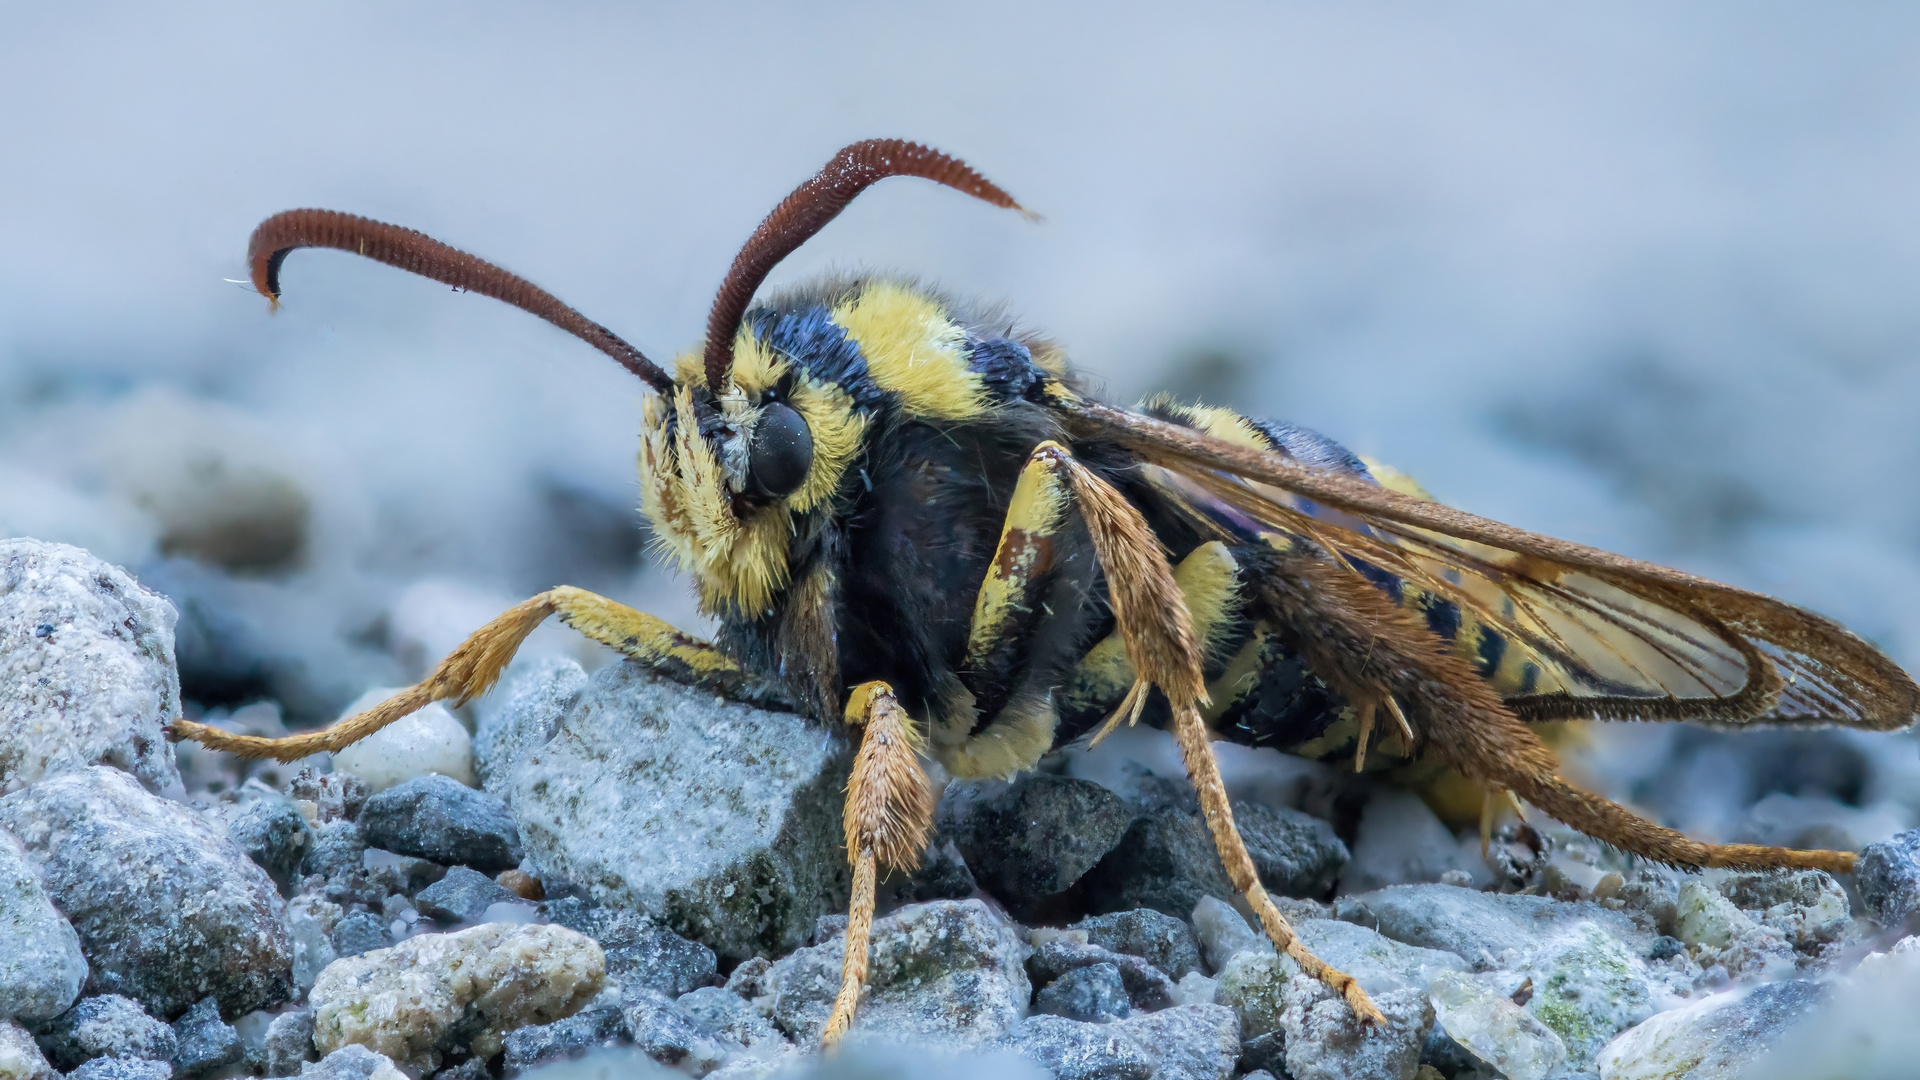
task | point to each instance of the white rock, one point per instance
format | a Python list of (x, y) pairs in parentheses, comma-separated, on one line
[(1223, 933), (1494, 1029), (439, 992), (1721, 1037), (1704, 917), (86, 668), (41, 969), (427, 742), (20, 1059)]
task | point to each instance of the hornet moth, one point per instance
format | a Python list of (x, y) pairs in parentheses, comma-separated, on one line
[(907, 517)]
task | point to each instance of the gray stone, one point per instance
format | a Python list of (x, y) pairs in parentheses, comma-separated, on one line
[(275, 835), (1807, 907), (1166, 861), (1187, 1042), (439, 818), (725, 1014), (1094, 994), (1223, 933), (20, 1058), (86, 668), (1295, 854), (1721, 1037), (518, 719), (1466, 922), (462, 896), (1147, 986), (106, 1026), (948, 973), (289, 1043), (720, 820), (1887, 876), (662, 1032), (338, 848), (618, 1063), (1489, 1026), (310, 923), (540, 1043), (360, 932), (1034, 837), (942, 875), (168, 911), (41, 968), (471, 1069), (1072, 1050), (352, 1063), (1160, 939), (1326, 1041), (108, 1068), (204, 1041), (641, 955)]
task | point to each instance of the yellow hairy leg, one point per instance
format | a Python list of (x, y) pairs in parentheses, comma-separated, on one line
[(472, 669), (889, 812), (1164, 650)]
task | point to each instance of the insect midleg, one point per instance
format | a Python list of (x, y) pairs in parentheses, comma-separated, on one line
[(888, 814), (473, 667), (1164, 651)]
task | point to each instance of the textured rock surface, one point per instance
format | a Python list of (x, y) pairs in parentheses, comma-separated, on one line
[(86, 668), (275, 835), (1888, 878), (1495, 1030), (1325, 1041), (111, 1068), (203, 1041), (289, 1044), (1072, 1050), (1295, 854), (439, 818), (1161, 940), (20, 1059), (168, 911), (462, 896), (725, 1014), (41, 969), (720, 820), (539, 1043), (359, 933), (432, 993), (1166, 862), (669, 1036), (106, 1026), (1714, 1039), (641, 955), (352, 1063), (1035, 837), (1147, 986), (1187, 1042), (947, 973), (1094, 994), (1467, 922)]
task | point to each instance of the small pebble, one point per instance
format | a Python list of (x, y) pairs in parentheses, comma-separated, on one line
[(439, 818), (289, 1043), (423, 743), (538, 1043), (1093, 993), (20, 1058), (521, 884), (205, 1042), (462, 896), (1162, 940), (1887, 876), (106, 1026), (358, 933)]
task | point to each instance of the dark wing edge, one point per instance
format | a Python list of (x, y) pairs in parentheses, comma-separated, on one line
[(1622, 638)]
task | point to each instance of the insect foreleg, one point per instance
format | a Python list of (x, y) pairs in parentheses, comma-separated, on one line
[(889, 812), (472, 668)]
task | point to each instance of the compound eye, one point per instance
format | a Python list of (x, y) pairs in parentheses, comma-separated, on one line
[(781, 452)]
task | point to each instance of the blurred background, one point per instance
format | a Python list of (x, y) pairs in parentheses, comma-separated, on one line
[(1640, 276)]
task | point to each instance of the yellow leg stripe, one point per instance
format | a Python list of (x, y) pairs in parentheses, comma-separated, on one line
[(1036, 514)]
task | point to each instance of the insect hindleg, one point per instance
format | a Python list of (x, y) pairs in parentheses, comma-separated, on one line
[(889, 812), (472, 668), (1163, 650)]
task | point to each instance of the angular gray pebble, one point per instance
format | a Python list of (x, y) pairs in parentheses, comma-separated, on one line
[(106, 1026), (204, 1041), (168, 911), (439, 818), (641, 955), (358, 933), (1035, 837), (352, 1063), (1147, 986), (1187, 1042), (1887, 876), (275, 835), (533, 1045), (670, 1037), (1295, 854), (41, 967), (723, 1013), (289, 1043), (1072, 1050), (462, 896), (1166, 861), (1094, 994), (339, 847), (1160, 939)]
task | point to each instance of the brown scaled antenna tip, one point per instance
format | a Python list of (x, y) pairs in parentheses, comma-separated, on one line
[(808, 210), (422, 254)]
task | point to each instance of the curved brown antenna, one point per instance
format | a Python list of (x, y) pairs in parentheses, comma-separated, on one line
[(808, 210), (422, 254)]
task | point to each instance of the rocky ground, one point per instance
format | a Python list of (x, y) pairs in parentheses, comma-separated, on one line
[(613, 875)]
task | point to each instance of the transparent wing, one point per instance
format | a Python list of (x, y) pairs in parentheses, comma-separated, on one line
[(1602, 635)]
